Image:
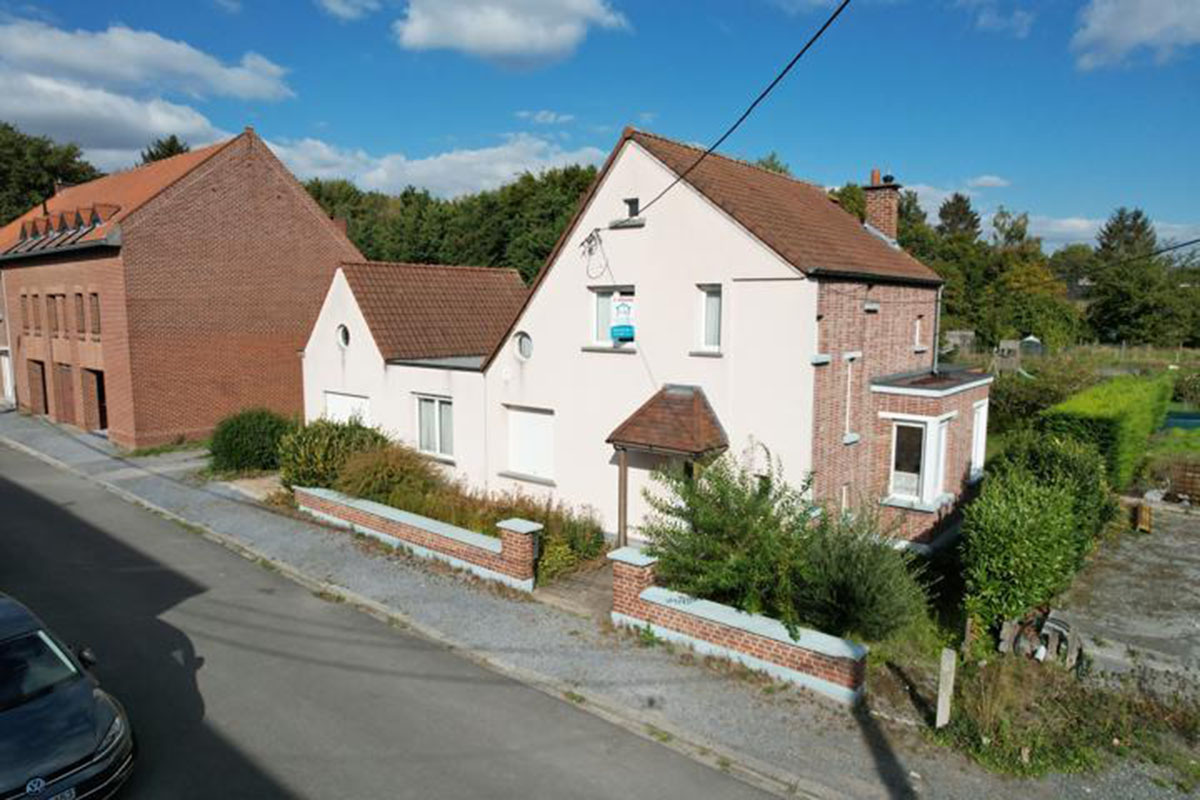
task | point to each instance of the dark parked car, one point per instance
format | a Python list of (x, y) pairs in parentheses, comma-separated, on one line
[(62, 737)]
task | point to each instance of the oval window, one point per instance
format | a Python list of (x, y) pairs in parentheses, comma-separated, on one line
[(524, 346), (343, 334)]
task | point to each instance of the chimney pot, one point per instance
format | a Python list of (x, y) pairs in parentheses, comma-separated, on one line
[(875, 177)]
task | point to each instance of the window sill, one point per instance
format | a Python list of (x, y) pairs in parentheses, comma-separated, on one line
[(599, 348), (521, 476), (913, 504), (706, 354), (438, 457), (821, 358), (851, 438), (975, 477), (921, 348)]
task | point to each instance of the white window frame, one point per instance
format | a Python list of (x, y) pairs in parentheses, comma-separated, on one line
[(440, 450), (935, 446), (702, 331), (979, 438), (597, 292)]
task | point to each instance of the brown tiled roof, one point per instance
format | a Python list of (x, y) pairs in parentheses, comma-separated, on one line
[(795, 219), (110, 199), (419, 311), (677, 419)]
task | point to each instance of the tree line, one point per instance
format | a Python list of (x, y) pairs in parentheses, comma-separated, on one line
[(1003, 286)]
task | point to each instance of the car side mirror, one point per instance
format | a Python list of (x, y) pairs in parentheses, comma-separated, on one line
[(86, 657)]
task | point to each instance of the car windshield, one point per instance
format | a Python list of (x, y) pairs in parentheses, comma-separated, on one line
[(31, 665)]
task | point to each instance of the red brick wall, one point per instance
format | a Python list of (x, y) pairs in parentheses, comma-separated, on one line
[(515, 559), (630, 581), (886, 341), (226, 271), (68, 274)]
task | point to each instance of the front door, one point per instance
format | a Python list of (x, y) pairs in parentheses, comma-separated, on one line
[(37, 388)]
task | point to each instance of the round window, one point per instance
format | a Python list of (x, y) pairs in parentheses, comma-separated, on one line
[(524, 345), (343, 334)]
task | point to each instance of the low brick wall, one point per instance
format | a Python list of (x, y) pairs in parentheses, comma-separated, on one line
[(826, 664), (508, 559)]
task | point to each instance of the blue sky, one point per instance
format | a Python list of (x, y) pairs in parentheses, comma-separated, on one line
[(1064, 109)]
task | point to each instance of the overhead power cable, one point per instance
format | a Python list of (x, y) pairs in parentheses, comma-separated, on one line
[(750, 109), (1156, 253)]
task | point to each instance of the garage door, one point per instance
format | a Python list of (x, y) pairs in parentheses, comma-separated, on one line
[(341, 407)]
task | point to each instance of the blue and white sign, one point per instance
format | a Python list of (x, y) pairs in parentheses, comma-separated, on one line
[(621, 325)]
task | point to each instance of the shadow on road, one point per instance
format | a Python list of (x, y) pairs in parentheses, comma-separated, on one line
[(95, 590), (891, 771)]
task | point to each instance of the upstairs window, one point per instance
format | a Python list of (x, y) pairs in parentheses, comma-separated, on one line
[(710, 317), (94, 303), (80, 322), (37, 315), (52, 314), (25, 313), (435, 426), (613, 315)]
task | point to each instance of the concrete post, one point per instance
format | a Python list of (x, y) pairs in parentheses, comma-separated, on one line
[(945, 687)]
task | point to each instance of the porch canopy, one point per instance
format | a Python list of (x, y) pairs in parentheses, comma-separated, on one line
[(676, 421)]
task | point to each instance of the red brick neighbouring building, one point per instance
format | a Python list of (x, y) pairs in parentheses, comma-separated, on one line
[(152, 302)]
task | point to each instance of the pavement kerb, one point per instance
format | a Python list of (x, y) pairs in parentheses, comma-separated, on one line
[(641, 723)]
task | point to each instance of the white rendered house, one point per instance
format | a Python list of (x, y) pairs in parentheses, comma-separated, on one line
[(742, 306)]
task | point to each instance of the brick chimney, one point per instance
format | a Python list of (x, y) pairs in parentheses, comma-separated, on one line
[(883, 204)]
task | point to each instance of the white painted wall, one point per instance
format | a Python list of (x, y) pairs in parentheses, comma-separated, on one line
[(761, 388)]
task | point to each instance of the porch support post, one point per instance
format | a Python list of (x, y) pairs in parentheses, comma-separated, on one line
[(622, 497)]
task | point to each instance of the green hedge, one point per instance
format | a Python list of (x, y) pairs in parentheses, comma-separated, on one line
[(248, 440), (1116, 417), (401, 477), (313, 454), (1068, 462), (1019, 545)]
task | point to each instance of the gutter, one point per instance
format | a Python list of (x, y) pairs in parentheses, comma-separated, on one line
[(871, 277)]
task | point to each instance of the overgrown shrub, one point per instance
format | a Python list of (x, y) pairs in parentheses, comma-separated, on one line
[(736, 536), (401, 477), (1187, 388), (731, 536), (1015, 398), (1068, 462), (1019, 545), (313, 454), (1117, 417), (854, 583), (248, 440)]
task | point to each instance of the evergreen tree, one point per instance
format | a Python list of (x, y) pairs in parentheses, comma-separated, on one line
[(957, 218), (771, 161), (165, 148), (1127, 233), (30, 166)]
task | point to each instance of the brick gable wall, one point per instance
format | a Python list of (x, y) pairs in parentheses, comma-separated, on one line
[(885, 340), (225, 274)]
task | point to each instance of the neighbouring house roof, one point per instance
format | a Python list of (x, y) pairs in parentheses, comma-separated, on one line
[(947, 380), (677, 419), (797, 220), (87, 215), (435, 313)]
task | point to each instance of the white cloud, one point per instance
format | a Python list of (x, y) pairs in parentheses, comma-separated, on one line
[(932, 197), (545, 117), (448, 174), (994, 15), (232, 6), (516, 32), (110, 127), (349, 9), (121, 56), (1110, 30), (988, 182)]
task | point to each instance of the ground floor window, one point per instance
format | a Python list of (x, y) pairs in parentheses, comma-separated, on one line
[(435, 425), (531, 442), (979, 438), (918, 464)]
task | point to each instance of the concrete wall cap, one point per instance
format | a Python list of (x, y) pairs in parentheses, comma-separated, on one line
[(634, 556), (518, 525)]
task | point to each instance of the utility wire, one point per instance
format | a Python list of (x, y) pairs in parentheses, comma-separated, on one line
[(1157, 252), (762, 96)]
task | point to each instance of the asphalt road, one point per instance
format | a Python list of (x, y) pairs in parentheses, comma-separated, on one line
[(242, 684)]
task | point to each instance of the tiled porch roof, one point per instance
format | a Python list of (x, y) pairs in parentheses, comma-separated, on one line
[(677, 419)]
